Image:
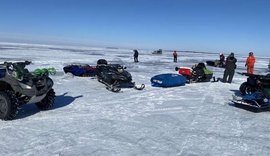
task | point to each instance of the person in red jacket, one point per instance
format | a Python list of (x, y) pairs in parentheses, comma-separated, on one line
[(250, 63), (174, 56)]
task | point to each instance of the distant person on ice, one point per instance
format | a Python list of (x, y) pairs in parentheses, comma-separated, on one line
[(174, 56), (136, 55), (250, 63), (230, 67)]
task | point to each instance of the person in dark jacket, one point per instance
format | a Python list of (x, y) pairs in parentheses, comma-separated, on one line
[(174, 56), (230, 67), (136, 55)]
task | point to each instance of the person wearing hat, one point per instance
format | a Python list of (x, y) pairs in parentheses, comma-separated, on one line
[(221, 60), (230, 67), (250, 63)]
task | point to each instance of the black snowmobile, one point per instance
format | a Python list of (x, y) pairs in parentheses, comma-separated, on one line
[(114, 76), (253, 83), (215, 63), (255, 93), (159, 51)]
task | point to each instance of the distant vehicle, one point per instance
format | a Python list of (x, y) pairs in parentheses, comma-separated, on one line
[(157, 51)]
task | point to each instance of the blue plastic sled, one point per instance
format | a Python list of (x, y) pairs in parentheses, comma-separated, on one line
[(80, 70), (168, 80)]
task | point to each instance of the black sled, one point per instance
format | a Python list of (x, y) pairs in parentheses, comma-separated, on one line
[(254, 83), (251, 104), (115, 77), (255, 93)]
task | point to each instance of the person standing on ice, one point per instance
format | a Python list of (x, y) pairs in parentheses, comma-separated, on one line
[(250, 63), (174, 56), (230, 67), (136, 55)]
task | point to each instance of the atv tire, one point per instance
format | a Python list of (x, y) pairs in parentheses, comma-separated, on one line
[(245, 88), (8, 105), (47, 102)]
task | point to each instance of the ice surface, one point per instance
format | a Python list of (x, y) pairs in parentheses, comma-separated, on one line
[(196, 119)]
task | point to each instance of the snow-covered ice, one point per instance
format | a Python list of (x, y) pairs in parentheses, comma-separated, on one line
[(87, 119)]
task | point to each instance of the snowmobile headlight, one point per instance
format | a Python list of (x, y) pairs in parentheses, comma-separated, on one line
[(24, 86), (120, 70), (265, 100)]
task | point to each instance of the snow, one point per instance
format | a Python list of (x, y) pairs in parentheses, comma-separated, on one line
[(87, 119)]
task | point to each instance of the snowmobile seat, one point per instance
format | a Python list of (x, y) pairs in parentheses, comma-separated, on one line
[(102, 62), (201, 65)]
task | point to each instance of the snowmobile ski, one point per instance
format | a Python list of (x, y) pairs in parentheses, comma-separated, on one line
[(113, 88), (110, 87), (139, 87)]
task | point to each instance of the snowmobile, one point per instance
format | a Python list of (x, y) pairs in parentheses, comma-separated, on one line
[(114, 76), (255, 93), (253, 83), (198, 73), (159, 51), (216, 63), (18, 86), (83, 70)]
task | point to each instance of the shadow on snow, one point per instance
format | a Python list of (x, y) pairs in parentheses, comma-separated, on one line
[(60, 101)]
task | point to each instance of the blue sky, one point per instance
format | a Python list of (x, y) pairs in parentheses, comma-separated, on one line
[(202, 25)]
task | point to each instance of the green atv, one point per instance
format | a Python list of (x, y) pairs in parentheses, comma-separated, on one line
[(18, 86)]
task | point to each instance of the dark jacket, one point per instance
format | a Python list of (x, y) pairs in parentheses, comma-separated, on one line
[(231, 63), (136, 53)]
